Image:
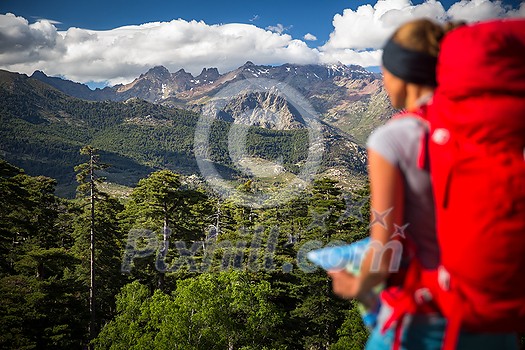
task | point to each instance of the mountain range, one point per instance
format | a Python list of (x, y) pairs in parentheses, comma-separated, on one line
[(150, 122), (348, 97)]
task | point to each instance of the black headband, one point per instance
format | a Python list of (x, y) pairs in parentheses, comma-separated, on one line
[(411, 66)]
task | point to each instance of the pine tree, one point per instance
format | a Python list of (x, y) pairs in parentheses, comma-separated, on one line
[(88, 179), (316, 306), (153, 205), (40, 305)]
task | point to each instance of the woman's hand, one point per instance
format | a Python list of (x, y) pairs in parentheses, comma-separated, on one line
[(344, 284), (386, 196)]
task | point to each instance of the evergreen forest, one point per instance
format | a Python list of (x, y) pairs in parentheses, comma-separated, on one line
[(170, 266)]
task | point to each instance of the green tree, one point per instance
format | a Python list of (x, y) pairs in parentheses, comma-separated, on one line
[(41, 307), (109, 248), (88, 180), (153, 202), (317, 307), (15, 199), (352, 334), (163, 204), (210, 311), (129, 328)]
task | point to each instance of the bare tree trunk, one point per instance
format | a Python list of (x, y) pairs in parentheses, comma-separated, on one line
[(166, 234), (92, 330), (217, 222)]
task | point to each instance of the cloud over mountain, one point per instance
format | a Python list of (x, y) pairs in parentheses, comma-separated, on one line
[(119, 54), (359, 34), (21, 42)]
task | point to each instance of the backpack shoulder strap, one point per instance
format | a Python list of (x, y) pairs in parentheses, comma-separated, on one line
[(420, 114)]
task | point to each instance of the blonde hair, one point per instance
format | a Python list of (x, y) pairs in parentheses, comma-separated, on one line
[(423, 35)]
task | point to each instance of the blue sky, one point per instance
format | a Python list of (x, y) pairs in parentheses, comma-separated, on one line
[(297, 17), (93, 41)]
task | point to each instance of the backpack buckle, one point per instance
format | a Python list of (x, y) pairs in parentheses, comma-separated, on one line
[(441, 136), (422, 296), (443, 278)]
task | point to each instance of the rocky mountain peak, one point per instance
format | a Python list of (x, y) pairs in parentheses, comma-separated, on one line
[(159, 72), (74, 89), (208, 75), (181, 75), (181, 72), (38, 74), (264, 109)]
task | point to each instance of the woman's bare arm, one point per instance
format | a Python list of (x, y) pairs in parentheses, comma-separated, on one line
[(387, 205)]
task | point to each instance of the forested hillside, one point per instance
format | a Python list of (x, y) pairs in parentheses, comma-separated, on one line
[(42, 129), (175, 267)]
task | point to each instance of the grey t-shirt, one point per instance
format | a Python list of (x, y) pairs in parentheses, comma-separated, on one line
[(399, 141)]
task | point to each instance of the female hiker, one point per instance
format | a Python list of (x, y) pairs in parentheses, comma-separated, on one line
[(401, 197)]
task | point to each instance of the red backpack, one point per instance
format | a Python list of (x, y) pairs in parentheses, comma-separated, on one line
[(477, 165), (476, 150)]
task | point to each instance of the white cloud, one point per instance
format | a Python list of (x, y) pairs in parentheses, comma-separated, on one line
[(52, 21), (21, 42), (348, 56), (279, 28), (358, 34), (123, 53), (477, 10), (310, 37), (369, 27)]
